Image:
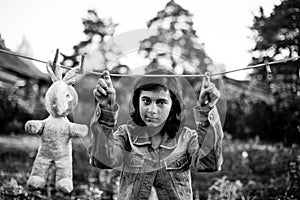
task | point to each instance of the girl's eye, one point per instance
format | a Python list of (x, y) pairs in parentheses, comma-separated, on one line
[(161, 102), (146, 101)]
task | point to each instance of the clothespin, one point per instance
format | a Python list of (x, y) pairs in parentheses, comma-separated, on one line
[(55, 59), (206, 80), (82, 62), (205, 84), (269, 71)]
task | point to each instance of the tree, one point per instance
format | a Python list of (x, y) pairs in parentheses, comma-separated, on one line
[(175, 45), (99, 46), (101, 53), (175, 42), (278, 36)]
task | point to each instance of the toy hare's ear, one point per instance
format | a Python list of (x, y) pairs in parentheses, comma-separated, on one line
[(74, 75), (54, 74)]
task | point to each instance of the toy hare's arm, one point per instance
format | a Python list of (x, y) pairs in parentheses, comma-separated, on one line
[(35, 127), (78, 130)]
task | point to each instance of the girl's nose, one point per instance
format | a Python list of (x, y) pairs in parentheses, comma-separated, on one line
[(152, 108)]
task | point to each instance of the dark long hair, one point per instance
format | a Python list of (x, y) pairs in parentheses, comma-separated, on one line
[(174, 120)]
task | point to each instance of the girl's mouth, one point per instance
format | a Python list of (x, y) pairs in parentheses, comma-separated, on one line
[(150, 119)]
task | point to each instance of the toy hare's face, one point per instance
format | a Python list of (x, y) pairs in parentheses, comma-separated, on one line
[(61, 99)]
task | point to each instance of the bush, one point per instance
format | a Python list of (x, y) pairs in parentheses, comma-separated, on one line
[(252, 170), (11, 112), (248, 119), (16, 109)]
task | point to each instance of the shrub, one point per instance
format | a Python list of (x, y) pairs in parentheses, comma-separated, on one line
[(16, 108), (10, 111), (252, 170), (248, 119)]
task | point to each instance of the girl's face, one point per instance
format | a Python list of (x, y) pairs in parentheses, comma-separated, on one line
[(155, 106)]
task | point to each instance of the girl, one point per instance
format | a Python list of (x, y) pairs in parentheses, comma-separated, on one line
[(155, 151)]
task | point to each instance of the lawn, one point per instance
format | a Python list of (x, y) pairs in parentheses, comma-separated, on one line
[(251, 170), (17, 155)]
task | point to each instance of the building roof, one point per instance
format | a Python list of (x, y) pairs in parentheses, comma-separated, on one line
[(257, 90), (14, 68)]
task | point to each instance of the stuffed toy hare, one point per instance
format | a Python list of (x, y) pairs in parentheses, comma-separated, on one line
[(56, 131)]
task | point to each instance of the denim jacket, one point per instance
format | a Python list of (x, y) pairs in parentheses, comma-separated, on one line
[(166, 168)]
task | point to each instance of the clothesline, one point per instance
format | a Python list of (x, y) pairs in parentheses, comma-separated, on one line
[(165, 75)]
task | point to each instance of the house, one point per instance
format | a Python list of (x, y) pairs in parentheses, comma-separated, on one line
[(257, 90), (18, 71), (22, 79)]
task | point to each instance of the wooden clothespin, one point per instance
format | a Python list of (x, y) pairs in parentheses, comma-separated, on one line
[(269, 71), (82, 62), (55, 59), (206, 80), (205, 84)]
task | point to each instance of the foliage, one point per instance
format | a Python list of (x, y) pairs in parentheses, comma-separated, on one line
[(175, 42), (18, 105), (278, 36), (251, 170), (99, 50), (249, 118), (8, 107), (225, 189), (99, 46), (278, 33), (16, 161)]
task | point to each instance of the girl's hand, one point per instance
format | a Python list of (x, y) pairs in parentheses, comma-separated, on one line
[(209, 94), (105, 93)]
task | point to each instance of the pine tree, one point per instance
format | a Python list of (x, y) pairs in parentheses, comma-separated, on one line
[(175, 41), (277, 36), (99, 46)]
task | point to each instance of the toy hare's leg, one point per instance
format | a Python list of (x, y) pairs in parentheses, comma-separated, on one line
[(64, 175), (39, 172)]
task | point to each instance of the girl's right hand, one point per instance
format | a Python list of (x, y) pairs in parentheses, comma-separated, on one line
[(105, 93), (209, 94)]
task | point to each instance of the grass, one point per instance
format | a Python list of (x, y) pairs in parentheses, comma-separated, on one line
[(251, 170), (17, 155)]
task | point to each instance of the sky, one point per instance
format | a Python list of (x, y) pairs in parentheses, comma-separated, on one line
[(222, 25)]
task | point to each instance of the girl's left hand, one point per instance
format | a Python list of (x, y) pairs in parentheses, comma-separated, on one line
[(209, 94)]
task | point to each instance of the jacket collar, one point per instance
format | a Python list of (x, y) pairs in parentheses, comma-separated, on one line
[(168, 143), (140, 137)]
